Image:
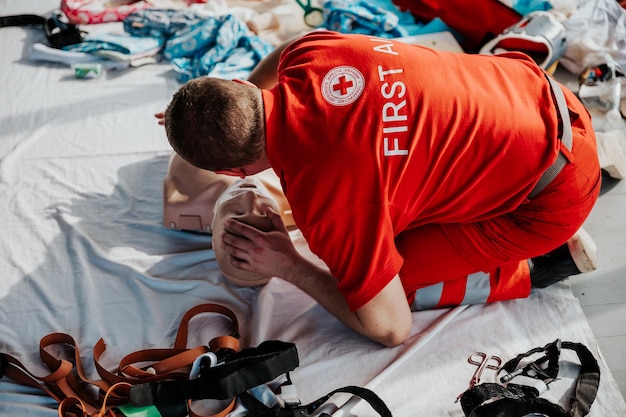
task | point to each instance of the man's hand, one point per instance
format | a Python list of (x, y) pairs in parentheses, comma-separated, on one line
[(386, 318), (160, 117), (267, 253)]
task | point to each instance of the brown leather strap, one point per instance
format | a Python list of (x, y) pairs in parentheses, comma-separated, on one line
[(164, 362), (183, 329), (68, 385), (224, 342), (18, 373)]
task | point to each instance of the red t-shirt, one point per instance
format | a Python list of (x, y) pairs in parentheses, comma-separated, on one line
[(371, 137)]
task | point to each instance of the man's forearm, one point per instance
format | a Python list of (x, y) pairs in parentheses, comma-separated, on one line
[(375, 320), (385, 318)]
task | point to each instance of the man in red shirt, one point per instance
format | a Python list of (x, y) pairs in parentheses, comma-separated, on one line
[(414, 174)]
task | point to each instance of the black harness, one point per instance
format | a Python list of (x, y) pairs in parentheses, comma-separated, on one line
[(239, 373), (59, 32), (515, 400), (257, 409)]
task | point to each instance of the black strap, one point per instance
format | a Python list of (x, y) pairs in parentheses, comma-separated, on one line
[(258, 409), (495, 400), (4, 363), (22, 20), (545, 372), (473, 398), (509, 407), (241, 371), (58, 31), (588, 381), (372, 399)]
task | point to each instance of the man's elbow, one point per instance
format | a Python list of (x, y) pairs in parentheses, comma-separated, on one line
[(387, 317), (394, 335)]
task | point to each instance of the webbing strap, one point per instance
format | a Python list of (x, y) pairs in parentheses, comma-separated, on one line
[(257, 409), (510, 407), (566, 138), (476, 396), (588, 381), (22, 20), (68, 384), (547, 367), (241, 371), (495, 400), (58, 32), (369, 396)]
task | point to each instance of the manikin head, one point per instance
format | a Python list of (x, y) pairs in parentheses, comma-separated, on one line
[(245, 200)]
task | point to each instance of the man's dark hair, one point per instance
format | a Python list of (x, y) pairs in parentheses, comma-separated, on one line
[(216, 124)]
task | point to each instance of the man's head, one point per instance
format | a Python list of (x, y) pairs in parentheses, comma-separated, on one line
[(245, 200), (216, 124)]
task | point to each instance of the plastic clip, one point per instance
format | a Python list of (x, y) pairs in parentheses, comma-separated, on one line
[(201, 362), (289, 394)]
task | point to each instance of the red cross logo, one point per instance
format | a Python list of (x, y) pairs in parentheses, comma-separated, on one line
[(343, 85)]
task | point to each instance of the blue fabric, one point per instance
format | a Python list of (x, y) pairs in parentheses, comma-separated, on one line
[(159, 23), (118, 42), (375, 17), (524, 7), (221, 46), (348, 16)]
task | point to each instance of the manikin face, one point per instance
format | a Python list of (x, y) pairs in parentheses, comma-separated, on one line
[(245, 200)]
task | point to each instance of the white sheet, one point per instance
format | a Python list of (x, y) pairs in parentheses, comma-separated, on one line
[(84, 252)]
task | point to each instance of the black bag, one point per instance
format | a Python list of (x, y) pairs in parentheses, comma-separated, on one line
[(59, 32)]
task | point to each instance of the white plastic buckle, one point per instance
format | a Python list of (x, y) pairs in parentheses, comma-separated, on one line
[(289, 395), (197, 364)]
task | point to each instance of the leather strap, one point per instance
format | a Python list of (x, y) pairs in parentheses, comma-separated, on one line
[(68, 385)]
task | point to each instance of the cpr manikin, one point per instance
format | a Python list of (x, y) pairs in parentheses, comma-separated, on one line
[(245, 200), (198, 200)]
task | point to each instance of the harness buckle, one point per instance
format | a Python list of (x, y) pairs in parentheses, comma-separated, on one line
[(289, 394)]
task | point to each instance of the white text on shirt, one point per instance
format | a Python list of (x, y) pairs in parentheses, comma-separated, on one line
[(393, 112)]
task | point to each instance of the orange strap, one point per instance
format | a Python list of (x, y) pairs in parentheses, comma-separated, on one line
[(68, 385)]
